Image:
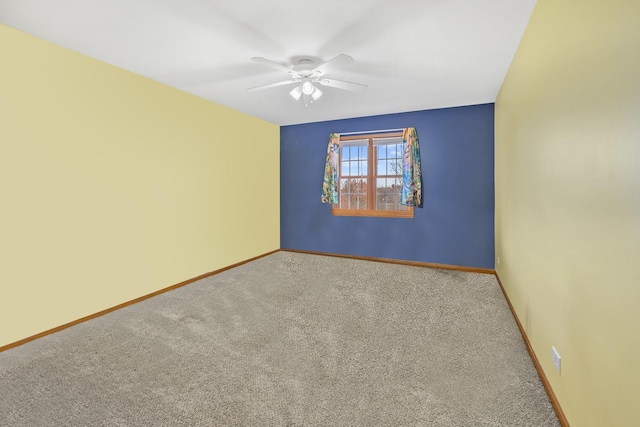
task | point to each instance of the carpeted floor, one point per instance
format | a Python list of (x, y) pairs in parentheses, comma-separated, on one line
[(288, 340)]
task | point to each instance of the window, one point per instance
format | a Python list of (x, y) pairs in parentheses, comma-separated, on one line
[(370, 176)]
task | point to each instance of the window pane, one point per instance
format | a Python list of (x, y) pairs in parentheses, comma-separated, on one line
[(362, 202), (344, 201), (382, 167), (390, 170), (362, 167), (353, 200), (344, 186), (391, 151), (394, 167), (398, 166), (359, 186), (344, 168), (394, 199), (384, 192), (353, 153), (363, 152), (382, 151)]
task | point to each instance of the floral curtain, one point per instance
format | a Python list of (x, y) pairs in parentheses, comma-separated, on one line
[(411, 170), (330, 185)]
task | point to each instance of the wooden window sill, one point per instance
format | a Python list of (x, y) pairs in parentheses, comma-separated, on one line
[(367, 212)]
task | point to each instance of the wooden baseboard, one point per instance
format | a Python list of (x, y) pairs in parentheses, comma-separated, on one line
[(125, 304), (536, 363), (401, 262)]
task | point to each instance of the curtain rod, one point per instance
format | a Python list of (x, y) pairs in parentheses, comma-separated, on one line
[(372, 131)]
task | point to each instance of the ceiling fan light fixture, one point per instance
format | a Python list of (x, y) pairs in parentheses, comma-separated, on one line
[(296, 93), (307, 88), (317, 93)]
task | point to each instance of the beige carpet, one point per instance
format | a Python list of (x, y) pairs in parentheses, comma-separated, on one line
[(288, 340)]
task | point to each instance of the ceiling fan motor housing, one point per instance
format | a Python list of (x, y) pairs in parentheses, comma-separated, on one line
[(305, 68)]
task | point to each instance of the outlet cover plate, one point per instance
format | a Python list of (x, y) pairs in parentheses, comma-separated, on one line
[(556, 358)]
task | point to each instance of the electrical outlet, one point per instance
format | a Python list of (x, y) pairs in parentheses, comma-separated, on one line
[(498, 260), (556, 358)]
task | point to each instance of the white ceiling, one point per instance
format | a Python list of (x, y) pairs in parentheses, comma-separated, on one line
[(413, 54)]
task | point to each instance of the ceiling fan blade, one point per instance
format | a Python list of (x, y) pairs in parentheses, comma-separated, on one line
[(341, 84), (270, 85), (337, 62), (272, 64)]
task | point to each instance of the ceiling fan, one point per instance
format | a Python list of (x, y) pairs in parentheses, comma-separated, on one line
[(306, 73)]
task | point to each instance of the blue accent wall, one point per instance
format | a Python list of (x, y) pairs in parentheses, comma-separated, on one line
[(456, 224)]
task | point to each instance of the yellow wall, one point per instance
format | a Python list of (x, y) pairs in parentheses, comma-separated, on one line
[(568, 201), (114, 186)]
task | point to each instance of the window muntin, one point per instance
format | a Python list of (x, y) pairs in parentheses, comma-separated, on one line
[(370, 176)]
